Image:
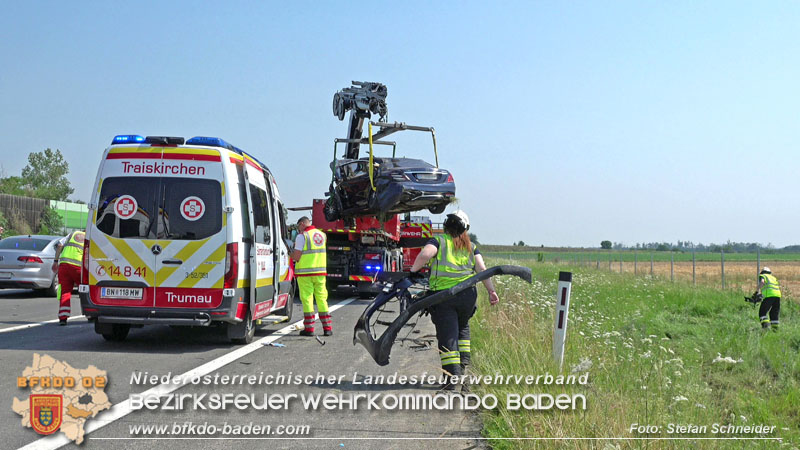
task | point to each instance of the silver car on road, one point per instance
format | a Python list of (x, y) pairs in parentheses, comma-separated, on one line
[(26, 262)]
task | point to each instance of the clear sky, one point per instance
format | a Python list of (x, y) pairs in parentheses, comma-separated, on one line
[(564, 123)]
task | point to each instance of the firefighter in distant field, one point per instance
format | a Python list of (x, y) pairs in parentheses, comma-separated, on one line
[(771, 304), (311, 270), (69, 253), (453, 259)]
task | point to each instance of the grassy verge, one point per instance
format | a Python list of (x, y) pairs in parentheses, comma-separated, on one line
[(650, 347)]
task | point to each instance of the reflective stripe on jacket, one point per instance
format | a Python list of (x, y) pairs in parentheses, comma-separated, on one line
[(451, 266), (771, 288), (72, 253), (313, 260)]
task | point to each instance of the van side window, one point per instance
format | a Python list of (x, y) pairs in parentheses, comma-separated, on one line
[(261, 215)]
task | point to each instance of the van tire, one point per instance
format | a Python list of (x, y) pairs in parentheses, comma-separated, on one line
[(289, 308), (242, 333), (113, 332)]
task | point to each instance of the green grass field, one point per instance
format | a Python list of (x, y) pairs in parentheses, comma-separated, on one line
[(630, 256), (651, 346)]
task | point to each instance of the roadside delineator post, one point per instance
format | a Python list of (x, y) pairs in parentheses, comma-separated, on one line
[(562, 311)]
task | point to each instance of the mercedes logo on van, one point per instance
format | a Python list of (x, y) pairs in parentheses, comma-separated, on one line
[(156, 249)]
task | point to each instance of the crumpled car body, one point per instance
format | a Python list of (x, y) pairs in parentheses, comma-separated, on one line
[(380, 347), (401, 185)]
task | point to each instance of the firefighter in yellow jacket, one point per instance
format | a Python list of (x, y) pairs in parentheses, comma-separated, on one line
[(69, 252), (771, 304), (311, 270), (453, 259)]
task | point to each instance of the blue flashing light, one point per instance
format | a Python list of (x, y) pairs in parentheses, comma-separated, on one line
[(127, 139), (375, 268), (369, 267), (209, 141)]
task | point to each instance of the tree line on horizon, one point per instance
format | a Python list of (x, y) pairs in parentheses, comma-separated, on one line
[(688, 246)]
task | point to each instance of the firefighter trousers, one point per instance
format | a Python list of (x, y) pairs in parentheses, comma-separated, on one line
[(769, 311), (451, 319), (310, 288)]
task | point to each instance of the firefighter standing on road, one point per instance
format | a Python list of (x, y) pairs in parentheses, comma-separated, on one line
[(453, 259), (771, 305), (69, 253), (311, 271)]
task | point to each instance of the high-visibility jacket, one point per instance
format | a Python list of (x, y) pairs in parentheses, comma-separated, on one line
[(450, 266), (313, 260), (72, 253), (771, 288)]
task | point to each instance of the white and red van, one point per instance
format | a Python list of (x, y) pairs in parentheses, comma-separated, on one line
[(184, 232)]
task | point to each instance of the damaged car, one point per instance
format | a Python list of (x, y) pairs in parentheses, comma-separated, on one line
[(400, 185)]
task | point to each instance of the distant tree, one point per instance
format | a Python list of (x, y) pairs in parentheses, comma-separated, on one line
[(662, 247), (51, 222), (473, 238), (605, 245), (46, 175), (14, 186), (521, 244)]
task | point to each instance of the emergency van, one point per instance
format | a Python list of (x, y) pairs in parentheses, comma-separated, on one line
[(184, 233)]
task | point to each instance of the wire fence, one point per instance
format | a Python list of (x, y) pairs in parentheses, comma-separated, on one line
[(724, 270)]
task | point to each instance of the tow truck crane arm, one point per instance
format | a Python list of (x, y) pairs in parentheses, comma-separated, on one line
[(362, 99)]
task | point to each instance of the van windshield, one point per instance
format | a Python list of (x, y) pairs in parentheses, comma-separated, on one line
[(186, 208)]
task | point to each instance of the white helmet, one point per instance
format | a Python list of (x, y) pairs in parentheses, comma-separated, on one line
[(765, 270), (458, 221)]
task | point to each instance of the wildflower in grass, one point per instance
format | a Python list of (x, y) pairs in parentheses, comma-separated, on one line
[(700, 405), (726, 359), (647, 341), (646, 354), (744, 419), (582, 366), (679, 398)]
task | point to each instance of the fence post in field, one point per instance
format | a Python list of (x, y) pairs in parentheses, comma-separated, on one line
[(722, 261), (609, 260), (620, 263), (651, 264), (671, 266), (758, 262), (635, 262), (694, 267)]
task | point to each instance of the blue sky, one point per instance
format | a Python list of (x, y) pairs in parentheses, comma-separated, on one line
[(564, 123)]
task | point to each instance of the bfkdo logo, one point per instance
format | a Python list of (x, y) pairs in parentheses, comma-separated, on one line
[(61, 397), (46, 413)]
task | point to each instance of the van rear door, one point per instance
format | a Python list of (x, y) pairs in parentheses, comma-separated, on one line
[(121, 262), (191, 231)]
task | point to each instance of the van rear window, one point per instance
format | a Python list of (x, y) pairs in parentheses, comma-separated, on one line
[(191, 208), (165, 208)]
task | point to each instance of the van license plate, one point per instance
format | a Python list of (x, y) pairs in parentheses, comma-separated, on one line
[(108, 292)]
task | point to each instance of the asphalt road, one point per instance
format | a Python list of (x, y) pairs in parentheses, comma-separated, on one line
[(160, 350)]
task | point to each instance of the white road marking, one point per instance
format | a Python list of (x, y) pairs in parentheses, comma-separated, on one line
[(122, 409), (38, 324)]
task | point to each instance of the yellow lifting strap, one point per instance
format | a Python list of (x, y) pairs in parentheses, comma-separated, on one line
[(371, 169)]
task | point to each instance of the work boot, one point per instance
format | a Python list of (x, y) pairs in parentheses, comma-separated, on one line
[(306, 333), (62, 322), (327, 333)]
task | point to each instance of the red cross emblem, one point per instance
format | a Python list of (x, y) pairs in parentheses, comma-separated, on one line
[(192, 208), (318, 239), (125, 207)]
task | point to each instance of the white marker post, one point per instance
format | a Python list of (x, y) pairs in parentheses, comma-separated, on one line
[(562, 311)]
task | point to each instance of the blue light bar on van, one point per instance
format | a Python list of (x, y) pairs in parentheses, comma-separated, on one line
[(127, 139), (209, 141)]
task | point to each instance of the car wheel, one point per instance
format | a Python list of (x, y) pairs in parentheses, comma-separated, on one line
[(243, 332), (52, 291), (115, 332), (331, 210), (438, 209)]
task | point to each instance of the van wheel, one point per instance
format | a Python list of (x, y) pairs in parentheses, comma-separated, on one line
[(287, 310), (114, 332), (242, 333)]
